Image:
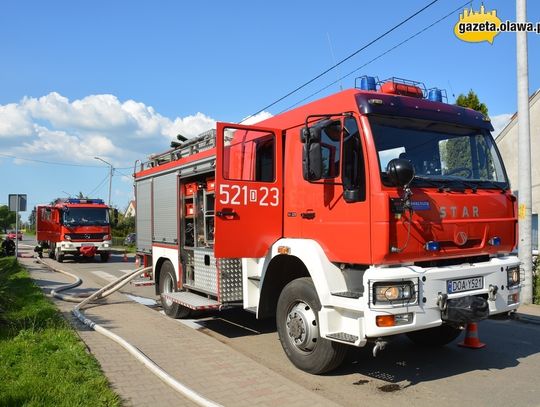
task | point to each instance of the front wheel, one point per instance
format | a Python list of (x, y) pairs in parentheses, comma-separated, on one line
[(438, 336), (167, 284), (59, 256), (104, 257), (298, 329)]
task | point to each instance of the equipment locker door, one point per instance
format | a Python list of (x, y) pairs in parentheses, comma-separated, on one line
[(249, 179)]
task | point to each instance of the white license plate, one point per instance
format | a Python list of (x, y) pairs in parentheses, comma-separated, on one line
[(465, 284), (87, 244)]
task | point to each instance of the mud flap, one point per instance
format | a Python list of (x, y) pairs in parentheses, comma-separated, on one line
[(465, 309)]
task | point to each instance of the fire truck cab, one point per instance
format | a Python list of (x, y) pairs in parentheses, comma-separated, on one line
[(79, 227), (375, 211)]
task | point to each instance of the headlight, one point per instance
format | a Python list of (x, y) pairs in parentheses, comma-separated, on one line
[(513, 276), (393, 291), (67, 237)]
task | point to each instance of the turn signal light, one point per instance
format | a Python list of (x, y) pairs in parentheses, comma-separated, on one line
[(513, 299), (284, 250), (385, 321)]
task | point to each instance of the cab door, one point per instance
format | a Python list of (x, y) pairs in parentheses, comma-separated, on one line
[(249, 190)]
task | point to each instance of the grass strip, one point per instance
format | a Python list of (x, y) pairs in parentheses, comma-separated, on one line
[(42, 361)]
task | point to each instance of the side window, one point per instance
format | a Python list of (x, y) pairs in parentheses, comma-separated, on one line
[(265, 160), (331, 151), (354, 174), (249, 155)]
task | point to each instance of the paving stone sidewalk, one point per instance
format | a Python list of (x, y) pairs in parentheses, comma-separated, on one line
[(202, 363)]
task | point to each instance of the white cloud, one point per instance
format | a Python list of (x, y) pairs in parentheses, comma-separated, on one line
[(57, 129), (259, 117), (14, 121), (499, 122)]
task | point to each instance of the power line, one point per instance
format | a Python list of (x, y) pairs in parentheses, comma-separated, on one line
[(49, 162), (99, 185), (56, 163), (378, 56), (344, 59)]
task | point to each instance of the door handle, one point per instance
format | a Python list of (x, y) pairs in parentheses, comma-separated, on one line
[(226, 214), (307, 215)]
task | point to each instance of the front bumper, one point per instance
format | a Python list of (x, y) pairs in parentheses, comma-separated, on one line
[(431, 285), (75, 247)]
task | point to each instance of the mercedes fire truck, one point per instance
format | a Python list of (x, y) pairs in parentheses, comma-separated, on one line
[(375, 211), (78, 227)]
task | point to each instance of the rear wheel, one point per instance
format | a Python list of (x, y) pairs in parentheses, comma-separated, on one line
[(298, 329), (167, 284), (59, 256), (51, 250), (438, 336)]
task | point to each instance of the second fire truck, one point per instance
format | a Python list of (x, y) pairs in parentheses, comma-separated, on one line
[(77, 227)]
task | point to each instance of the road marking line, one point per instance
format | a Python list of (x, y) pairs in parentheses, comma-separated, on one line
[(104, 275), (142, 300), (127, 271), (190, 323)]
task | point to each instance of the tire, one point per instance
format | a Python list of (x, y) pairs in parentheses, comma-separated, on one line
[(167, 284), (298, 329), (59, 256), (433, 337), (104, 257), (51, 250)]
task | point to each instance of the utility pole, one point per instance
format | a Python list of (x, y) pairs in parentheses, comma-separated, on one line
[(524, 158), (111, 171)]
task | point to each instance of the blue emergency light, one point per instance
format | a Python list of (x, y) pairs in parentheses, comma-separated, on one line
[(84, 201)]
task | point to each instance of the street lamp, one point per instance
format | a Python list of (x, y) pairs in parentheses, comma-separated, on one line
[(110, 176)]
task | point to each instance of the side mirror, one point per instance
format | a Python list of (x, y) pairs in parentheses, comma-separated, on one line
[(352, 195), (312, 153), (400, 172)]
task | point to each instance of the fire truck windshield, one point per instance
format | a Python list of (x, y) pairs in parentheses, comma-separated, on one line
[(85, 216), (442, 154)]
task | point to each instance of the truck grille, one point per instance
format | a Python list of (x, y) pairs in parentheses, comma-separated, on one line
[(87, 236)]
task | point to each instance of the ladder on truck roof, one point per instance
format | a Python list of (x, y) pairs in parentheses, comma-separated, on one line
[(204, 141)]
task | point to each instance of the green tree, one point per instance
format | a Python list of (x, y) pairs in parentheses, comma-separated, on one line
[(457, 152), (7, 218), (32, 220), (472, 102)]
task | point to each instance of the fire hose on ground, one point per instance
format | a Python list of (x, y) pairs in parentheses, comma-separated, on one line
[(105, 292)]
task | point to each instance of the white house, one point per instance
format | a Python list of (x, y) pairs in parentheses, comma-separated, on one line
[(507, 141)]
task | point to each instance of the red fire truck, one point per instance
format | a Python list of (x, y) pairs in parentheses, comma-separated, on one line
[(376, 211), (80, 227)]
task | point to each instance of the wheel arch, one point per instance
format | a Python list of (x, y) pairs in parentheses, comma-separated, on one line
[(280, 272), (306, 258), (159, 257)]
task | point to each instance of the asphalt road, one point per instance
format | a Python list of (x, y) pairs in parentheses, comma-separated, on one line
[(504, 373)]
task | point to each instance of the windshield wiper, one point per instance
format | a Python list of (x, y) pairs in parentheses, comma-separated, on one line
[(440, 187), (494, 184), (473, 187)]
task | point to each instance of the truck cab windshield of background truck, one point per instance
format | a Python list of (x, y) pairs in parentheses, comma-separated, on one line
[(85, 216)]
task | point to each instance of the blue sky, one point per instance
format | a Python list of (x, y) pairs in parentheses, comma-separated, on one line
[(118, 79)]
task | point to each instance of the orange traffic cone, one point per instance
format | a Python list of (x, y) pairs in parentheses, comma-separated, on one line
[(471, 337), (125, 256)]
